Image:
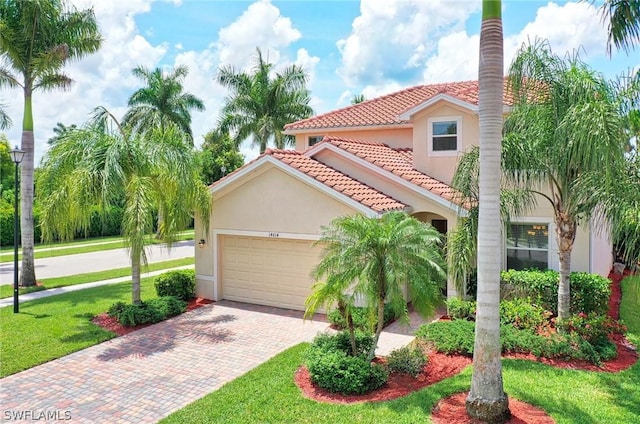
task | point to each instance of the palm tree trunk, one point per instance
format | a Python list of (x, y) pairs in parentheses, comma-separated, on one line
[(487, 400), (135, 278), (346, 313), (379, 327), (566, 234), (28, 272)]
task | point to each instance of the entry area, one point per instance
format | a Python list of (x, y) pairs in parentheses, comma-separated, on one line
[(267, 271)]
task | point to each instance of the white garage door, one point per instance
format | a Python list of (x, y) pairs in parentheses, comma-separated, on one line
[(268, 271)]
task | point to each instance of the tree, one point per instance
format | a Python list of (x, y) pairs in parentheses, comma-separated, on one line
[(219, 157), (377, 258), (60, 130), (5, 120), (91, 165), (358, 98), (487, 400), (262, 102), (161, 101), (623, 23), (37, 38)]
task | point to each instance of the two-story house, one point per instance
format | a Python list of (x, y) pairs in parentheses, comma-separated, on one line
[(395, 152)]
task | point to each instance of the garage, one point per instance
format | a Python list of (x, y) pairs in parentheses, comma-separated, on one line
[(267, 271)]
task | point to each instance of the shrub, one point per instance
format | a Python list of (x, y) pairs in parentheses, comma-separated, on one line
[(336, 371), (589, 292), (340, 341), (461, 309), (178, 283), (149, 312), (360, 317), (449, 337), (407, 360), (593, 328), (522, 314)]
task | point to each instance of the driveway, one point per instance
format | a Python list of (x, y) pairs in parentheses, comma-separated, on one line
[(145, 375)]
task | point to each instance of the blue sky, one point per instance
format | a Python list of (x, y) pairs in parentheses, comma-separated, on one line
[(347, 47)]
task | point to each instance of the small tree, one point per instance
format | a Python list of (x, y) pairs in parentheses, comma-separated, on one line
[(377, 259)]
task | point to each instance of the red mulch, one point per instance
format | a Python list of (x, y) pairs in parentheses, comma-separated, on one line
[(451, 410), (111, 324)]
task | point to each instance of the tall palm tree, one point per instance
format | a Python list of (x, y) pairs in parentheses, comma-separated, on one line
[(37, 38), (377, 258), (262, 102), (487, 399), (92, 165), (623, 23), (566, 124), (162, 101)]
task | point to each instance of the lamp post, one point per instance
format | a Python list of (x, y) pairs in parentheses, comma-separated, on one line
[(16, 157)]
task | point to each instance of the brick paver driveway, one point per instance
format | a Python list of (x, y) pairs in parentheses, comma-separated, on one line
[(145, 375)]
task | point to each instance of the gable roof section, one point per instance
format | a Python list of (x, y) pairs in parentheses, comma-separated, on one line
[(398, 162), (387, 110), (332, 179)]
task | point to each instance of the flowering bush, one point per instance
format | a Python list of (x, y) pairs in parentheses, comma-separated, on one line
[(593, 328)]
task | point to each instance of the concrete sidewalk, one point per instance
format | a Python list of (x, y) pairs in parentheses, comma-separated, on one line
[(60, 290)]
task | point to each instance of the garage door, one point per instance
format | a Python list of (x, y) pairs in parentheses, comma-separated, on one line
[(268, 271)]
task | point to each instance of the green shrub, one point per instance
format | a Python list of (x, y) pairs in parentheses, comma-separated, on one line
[(177, 283), (522, 314), (149, 312), (361, 319), (407, 360), (589, 292), (340, 341), (461, 309), (338, 372), (593, 328), (449, 337)]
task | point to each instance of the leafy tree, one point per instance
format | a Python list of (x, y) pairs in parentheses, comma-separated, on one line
[(219, 157), (487, 400), (37, 38), (623, 23), (262, 102), (60, 130), (7, 181), (87, 166), (376, 258), (162, 101)]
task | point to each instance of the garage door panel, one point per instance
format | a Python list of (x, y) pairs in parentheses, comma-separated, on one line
[(265, 271)]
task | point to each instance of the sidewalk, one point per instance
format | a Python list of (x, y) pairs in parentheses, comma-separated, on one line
[(60, 290)]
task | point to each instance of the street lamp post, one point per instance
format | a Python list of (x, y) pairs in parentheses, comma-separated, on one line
[(16, 157)]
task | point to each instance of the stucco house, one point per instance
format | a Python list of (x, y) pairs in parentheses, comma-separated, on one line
[(395, 152)]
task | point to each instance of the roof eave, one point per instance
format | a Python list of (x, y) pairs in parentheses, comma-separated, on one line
[(350, 128)]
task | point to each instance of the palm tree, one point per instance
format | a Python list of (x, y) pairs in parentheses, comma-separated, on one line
[(262, 102), (567, 124), (37, 39), (358, 98), (5, 120), (376, 259), (487, 400), (93, 165), (161, 101), (623, 23)]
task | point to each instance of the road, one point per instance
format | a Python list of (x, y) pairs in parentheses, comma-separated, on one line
[(60, 266)]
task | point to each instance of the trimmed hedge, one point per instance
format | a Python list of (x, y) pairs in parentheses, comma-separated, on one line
[(180, 284), (589, 292), (407, 360), (149, 312), (360, 316)]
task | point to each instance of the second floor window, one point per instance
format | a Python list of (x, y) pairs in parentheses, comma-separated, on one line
[(313, 139), (444, 136)]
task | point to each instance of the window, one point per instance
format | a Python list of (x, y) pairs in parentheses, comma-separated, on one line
[(527, 246), (313, 139), (444, 136), (440, 225)]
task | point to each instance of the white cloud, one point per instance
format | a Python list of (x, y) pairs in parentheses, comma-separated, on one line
[(456, 59)]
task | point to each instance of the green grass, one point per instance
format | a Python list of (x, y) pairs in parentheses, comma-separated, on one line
[(84, 246), (52, 283), (268, 394), (56, 326)]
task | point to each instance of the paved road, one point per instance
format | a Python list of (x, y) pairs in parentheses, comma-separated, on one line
[(60, 266)]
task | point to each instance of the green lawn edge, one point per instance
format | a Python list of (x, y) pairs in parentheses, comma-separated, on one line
[(268, 394)]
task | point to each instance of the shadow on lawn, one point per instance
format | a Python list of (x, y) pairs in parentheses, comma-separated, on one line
[(164, 336)]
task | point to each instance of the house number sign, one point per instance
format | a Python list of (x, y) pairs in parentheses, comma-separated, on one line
[(274, 235)]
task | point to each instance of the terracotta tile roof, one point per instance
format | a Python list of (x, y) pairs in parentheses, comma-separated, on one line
[(385, 110), (338, 181), (396, 161)]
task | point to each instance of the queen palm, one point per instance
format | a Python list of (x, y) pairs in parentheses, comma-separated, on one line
[(487, 400), (5, 120), (376, 259), (623, 23), (102, 161), (37, 38), (162, 101), (262, 102)]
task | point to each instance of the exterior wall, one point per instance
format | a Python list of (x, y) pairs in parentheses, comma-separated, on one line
[(601, 255), (396, 138), (442, 167)]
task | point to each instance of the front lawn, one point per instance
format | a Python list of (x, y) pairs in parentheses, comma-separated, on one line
[(268, 393), (56, 326)]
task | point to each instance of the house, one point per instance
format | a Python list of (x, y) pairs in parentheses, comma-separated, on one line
[(395, 152)]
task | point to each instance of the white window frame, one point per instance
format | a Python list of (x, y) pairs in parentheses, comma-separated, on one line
[(314, 136), (552, 250), (430, 122)]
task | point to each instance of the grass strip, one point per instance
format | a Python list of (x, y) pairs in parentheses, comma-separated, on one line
[(56, 326), (71, 280)]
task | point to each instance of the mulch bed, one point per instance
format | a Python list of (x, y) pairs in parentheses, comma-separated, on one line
[(111, 324), (451, 410)]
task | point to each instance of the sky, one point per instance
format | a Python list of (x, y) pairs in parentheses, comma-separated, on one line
[(347, 47)]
